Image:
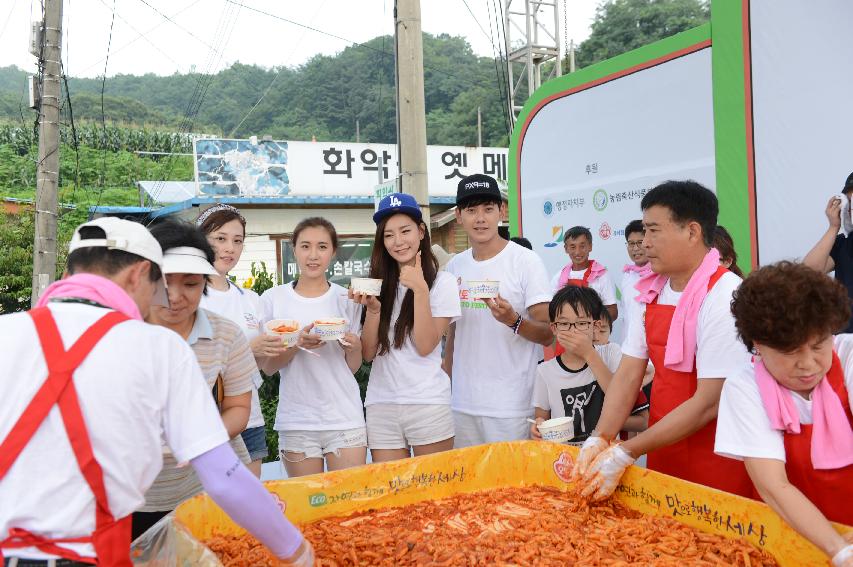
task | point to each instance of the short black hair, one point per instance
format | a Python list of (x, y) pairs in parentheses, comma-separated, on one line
[(102, 260), (605, 316), (634, 226), (478, 200), (171, 233), (687, 201), (521, 241), (583, 299), (577, 232)]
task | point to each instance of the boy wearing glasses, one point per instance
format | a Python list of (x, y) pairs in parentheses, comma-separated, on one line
[(574, 383)]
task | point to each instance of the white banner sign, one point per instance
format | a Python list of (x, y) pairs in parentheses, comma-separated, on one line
[(240, 168)]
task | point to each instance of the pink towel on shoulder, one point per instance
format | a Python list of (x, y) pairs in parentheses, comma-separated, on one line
[(832, 436), (596, 270), (681, 340), (94, 288)]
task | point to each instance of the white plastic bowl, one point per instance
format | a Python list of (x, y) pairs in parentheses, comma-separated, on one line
[(558, 430), (484, 289), (330, 328), (366, 286), (289, 338)]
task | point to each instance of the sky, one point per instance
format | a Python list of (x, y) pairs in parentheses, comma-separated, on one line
[(168, 36)]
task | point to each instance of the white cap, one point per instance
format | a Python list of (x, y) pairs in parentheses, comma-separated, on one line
[(187, 260), (127, 236)]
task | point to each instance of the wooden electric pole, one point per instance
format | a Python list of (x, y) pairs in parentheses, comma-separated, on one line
[(410, 102), (47, 175)]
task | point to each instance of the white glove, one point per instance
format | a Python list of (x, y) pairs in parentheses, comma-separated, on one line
[(605, 471), (303, 557), (844, 558), (590, 449)]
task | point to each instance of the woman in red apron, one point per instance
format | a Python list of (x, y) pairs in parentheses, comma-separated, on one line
[(787, 416)]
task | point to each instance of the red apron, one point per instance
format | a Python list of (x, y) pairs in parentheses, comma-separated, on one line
[(111, 538), (692, 458), (830, 490)]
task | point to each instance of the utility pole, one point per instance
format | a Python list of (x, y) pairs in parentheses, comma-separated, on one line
[(479, 128), (411, 113), (47, 176)]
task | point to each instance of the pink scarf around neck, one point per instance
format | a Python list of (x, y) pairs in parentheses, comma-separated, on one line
[(94, 288), (681, 340), (832, 437), (641, 271), (596, 270)]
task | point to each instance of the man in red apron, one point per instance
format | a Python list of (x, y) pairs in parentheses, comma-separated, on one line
[(90, 390), (681, 322), (787, 415)]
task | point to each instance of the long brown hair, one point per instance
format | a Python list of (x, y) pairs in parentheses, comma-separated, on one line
[(383, 266), (724, 243)]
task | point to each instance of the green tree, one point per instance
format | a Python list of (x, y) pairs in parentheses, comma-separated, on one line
[(16, 263), (622, 25)]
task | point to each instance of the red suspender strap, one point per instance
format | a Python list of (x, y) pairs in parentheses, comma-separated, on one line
[(60, 365)]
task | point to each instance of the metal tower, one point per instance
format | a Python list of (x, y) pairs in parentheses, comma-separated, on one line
[(532, 34)]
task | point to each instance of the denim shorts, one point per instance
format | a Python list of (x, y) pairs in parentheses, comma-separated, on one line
[(255, 439)]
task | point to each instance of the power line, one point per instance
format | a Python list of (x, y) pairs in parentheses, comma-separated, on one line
[(154, 45), (142, 35), (274, 79), (103, 114), (479, 25), (176, 24), (9, 17)]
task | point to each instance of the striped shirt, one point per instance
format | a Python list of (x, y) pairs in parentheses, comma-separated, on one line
[(221, 349)]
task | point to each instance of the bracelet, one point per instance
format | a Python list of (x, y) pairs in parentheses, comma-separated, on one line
[(517, 325)]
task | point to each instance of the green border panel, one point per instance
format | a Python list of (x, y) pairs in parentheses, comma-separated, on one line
[(597, 73), (730, 128)]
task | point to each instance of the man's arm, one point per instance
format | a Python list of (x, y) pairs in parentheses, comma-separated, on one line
[(686, 419), (621, 396), (818, 257), (537, 328)]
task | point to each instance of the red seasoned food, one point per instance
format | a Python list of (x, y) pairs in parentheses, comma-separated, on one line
[(508, 526)]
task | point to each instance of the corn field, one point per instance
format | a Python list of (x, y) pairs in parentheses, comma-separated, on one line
[(115, 139)]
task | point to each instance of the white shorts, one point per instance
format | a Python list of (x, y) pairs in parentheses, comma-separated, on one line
[(398, 426), (315, 444), (477, 429)]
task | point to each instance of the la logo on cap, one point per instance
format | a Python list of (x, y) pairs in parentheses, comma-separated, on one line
[(395, 202)]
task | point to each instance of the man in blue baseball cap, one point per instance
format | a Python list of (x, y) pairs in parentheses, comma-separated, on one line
[(493, 349)]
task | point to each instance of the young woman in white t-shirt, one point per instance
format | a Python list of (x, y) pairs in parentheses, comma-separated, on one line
[(320, 419), (787, 415), (408, 395), (225, 228)]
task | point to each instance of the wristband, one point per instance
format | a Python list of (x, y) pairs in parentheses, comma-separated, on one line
[(515, 326)]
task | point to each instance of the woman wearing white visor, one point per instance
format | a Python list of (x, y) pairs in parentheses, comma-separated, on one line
[(221, 349)]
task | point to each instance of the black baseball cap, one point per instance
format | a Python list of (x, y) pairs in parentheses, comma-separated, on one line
[(848, 185), (477, 185)]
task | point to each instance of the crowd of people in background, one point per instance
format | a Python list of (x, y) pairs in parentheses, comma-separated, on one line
[(737, 385)]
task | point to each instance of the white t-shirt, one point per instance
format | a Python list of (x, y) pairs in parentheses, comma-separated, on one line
[(316, 393), (242, 306), (603, 285), (743, 428), (626, 304), (493, 369), (574, 393), (402, 376), (719, 352), (141, 383)]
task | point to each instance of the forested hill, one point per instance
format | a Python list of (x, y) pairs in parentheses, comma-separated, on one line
[(322, 98)]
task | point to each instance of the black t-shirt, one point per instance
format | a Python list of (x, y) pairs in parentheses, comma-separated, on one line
[(842, 255)]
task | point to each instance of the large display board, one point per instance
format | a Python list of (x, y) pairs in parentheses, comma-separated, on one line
[(802, 111), (587, 152)]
